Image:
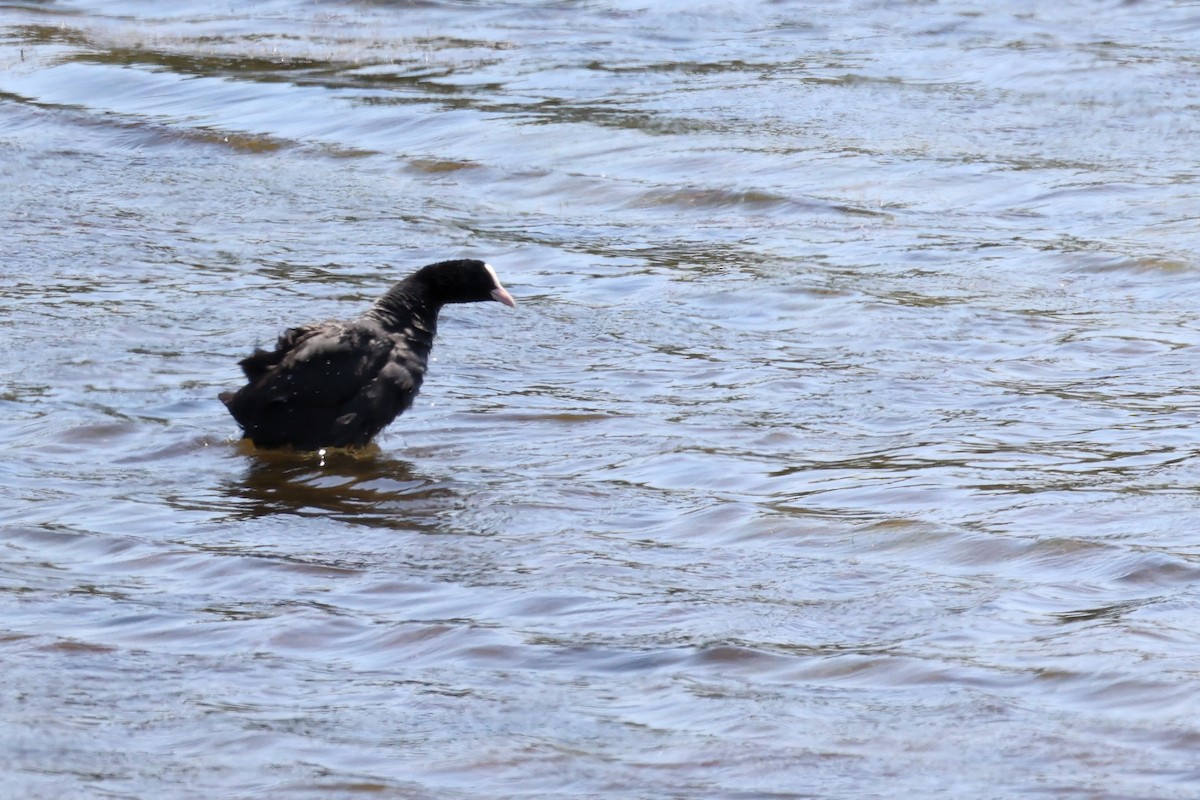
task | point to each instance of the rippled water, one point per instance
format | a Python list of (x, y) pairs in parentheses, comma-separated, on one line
[(841, 444)]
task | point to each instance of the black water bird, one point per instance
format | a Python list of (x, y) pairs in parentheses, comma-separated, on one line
[(337, 384)]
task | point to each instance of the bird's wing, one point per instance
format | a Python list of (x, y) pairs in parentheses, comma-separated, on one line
[(258, 362), (322, 365)]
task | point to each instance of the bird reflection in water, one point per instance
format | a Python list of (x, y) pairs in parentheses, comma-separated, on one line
[(360, 485)]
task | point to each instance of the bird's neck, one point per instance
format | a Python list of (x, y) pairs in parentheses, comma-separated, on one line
[(409, 313)]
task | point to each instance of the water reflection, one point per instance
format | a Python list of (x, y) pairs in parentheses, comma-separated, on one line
[(363, 486)]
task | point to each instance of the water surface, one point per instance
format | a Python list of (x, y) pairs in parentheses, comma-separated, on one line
[(841, 444)]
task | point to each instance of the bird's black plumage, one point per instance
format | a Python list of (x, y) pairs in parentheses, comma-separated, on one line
[(337, 384)]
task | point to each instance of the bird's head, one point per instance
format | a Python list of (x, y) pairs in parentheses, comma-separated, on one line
[(464, 281)]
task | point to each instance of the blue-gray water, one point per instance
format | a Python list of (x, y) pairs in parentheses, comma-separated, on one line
[(843, 444)]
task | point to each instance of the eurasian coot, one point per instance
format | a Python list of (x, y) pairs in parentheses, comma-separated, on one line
[(337, 384)]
